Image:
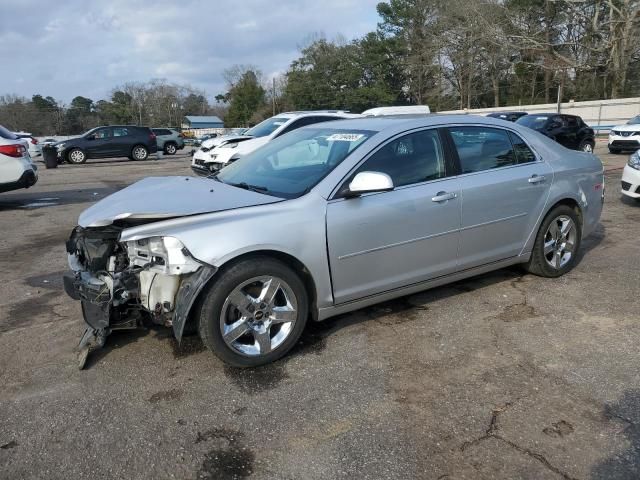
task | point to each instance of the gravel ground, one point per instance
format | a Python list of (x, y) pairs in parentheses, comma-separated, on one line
[(501, 376)]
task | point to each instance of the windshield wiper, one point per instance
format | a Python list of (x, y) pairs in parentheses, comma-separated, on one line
[(253, 188)]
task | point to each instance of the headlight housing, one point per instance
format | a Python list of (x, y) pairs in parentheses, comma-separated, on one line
[(161, 254), (60, 146), (634, 160)]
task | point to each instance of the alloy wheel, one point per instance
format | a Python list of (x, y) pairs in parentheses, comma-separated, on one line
[(171, 149), (587, 148), (258, 315), (139, 153), (560, 241), (77, 156)]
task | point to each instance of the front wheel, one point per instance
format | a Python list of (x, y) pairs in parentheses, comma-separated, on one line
[(254, 313), (586, 146), (139, 152), (76, 156), (557, 243)]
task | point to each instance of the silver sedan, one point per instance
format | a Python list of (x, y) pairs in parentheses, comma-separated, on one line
[(328, 219)]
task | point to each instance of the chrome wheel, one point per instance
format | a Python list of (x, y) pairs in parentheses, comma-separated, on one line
[(139, 153), (258, 315), (170, 149), (77, 156), (587, 148), (560, 241)]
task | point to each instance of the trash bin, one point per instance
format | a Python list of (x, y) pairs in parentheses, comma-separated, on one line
[(50, 156)]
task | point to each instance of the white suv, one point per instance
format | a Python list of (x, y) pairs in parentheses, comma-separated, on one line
[(625, 137), (231, 149), (16, 168)]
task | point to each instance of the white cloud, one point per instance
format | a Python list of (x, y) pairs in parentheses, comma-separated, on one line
[(82, 48)]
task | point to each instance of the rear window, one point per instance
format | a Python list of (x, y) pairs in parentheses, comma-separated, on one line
[(4, 133), (535, 122)]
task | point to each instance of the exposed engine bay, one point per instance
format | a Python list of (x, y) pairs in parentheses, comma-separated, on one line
[(123, 285)]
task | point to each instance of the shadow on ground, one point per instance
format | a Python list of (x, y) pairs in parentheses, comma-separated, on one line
[(624, 465)]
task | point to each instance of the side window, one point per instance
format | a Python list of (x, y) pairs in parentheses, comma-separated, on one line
[(521, 149), (120, 132), (102, 133), (572, 122), (414, 158), (482, 148)]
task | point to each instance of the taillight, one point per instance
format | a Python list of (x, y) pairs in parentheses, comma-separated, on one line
[(15, 151), (34, 141), (152, 136)]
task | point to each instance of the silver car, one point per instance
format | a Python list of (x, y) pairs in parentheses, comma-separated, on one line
[(328, 219)]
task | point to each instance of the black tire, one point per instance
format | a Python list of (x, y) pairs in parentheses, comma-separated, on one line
[(170, 148), (586, 146), (139, 153), (213, 301), (538, 263), (76, 156), (615, 151)]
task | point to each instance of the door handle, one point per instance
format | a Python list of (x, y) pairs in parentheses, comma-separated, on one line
[(536, 178), (443, 197)]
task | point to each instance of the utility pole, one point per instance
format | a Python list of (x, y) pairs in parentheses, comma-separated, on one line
[(273, 96)]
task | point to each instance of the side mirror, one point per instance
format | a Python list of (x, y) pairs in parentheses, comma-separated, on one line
[(367, 182)]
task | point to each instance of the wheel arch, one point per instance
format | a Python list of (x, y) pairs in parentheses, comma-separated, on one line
[(291, 261), (569, 202)]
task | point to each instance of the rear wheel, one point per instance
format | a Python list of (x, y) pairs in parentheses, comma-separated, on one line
[(557, 243), (170, 148), (254, 313), (76, 156), (139, 152)]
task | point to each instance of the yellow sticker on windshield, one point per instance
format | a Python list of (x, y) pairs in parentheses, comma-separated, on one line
[(345, 137)]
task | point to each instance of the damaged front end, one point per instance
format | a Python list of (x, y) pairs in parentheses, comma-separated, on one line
[(122, 285)]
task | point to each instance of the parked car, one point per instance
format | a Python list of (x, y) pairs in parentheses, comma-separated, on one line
[(203, 160), (34, 147), (568, 130), (230, 150), (631, 176), (401, 110), (625, 137), (328, 219), (17, 170), (169, 140), (508, 116), (107, 142)]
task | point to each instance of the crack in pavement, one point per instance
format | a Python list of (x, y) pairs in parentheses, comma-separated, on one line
[(492, 432)]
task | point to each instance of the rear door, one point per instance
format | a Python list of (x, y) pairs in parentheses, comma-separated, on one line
[(504, 189), (387, 240), (122, 141)]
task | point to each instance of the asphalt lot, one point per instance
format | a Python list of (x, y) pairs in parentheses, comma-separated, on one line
[(501, 376)]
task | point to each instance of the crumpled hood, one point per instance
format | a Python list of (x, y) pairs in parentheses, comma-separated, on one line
[(214, 142), (169, 197)]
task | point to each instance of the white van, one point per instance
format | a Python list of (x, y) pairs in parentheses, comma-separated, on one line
[(405, 110)]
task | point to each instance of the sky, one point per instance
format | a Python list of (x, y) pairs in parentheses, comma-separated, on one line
[(75, 47)]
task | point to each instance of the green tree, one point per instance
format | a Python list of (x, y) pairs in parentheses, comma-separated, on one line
[(246, 96)]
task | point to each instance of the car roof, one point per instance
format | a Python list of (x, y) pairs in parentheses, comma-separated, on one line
[(407, 122)]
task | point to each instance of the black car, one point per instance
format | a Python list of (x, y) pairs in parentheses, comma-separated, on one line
[(568, 130), (509, 116), (105, 142)]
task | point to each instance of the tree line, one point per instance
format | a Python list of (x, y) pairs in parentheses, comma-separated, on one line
[(448, 54)]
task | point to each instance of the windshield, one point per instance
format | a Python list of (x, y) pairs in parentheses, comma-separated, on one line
[(634, 121), (267, 127), (533, 121), (291, 165)]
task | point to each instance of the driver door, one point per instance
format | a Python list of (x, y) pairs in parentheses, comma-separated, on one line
[(101, 145), (387, 240)]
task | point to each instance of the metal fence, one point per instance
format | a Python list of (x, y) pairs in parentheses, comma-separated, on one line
[(601, 115)]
